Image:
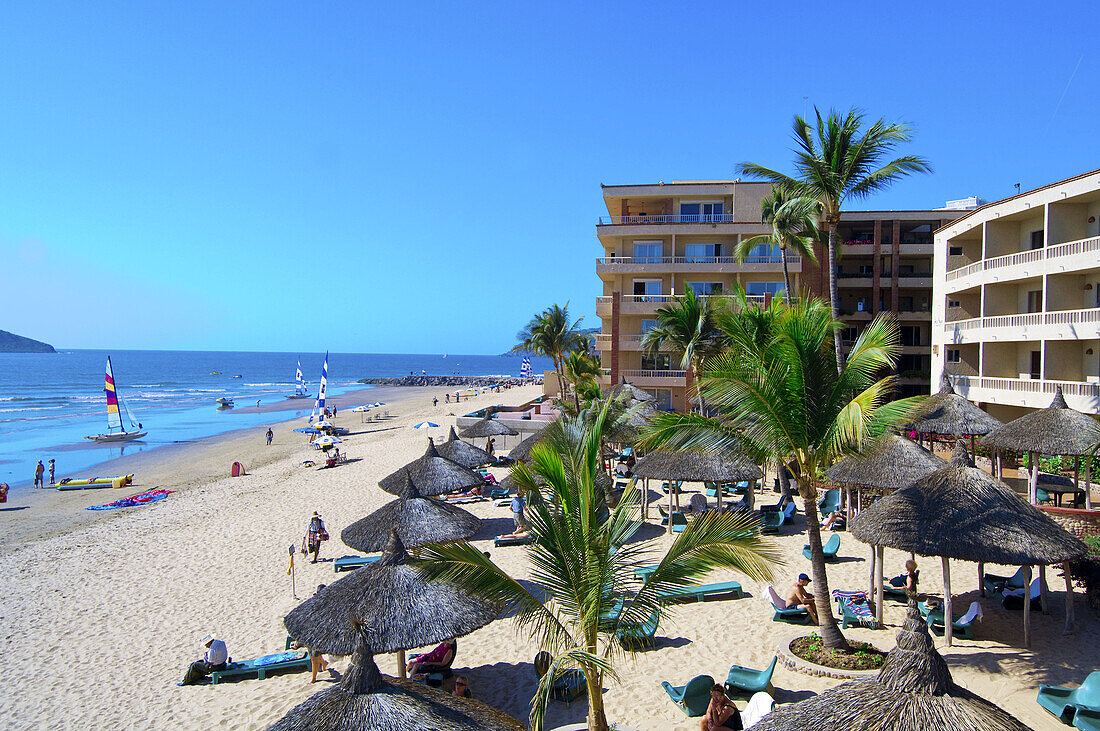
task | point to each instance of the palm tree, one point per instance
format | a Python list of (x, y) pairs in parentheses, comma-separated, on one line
[(688, 325), (582, 371), (583, 563), (793, 229), (784, 397), (837, 161), (551, 334)]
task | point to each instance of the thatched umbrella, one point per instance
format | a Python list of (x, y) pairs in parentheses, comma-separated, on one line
[(949, 413), (632, 391), (694, 467), (488, 427), (961, 512), (418, 520), (914, 690), (1057, 429), (433, 475), (463, 453), (365, 699), (522, 451), (393, 601)]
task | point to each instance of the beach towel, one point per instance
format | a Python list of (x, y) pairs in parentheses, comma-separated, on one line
[(856, 601), (275, 659), (128, 502)]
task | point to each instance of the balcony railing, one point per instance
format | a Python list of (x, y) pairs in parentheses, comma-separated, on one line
[(1024, 386), (654, 374), (1084, 246), (791, 259), (668, 218), (662, 298), (1090, 316)]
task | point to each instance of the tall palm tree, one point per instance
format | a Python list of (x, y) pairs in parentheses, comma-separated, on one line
[(838, 161), (582, 371), (552, 334), (794, 229), (583, 562), (688, 325), (784, 397)]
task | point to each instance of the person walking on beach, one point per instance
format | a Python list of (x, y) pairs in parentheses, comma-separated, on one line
[(51, 472), (447, 398), (315, 533), (435, 401), (517, 512), (38, 475), (270, 436)]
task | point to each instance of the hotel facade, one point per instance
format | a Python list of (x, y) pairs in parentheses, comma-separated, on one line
[(1016, 300), (661, 239)]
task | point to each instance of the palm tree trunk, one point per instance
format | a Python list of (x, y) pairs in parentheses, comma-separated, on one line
[(831, 635), (694, 377), (786, 276), (834, 296), (784, 480), (597, 720)]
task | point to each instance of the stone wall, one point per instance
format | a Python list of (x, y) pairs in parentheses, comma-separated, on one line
[(1081, 523)]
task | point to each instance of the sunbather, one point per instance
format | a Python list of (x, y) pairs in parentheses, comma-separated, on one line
[(839, 516), (521, 533), (435, 661), (797, 596), (721, 713), (214, 657), (474, 491)]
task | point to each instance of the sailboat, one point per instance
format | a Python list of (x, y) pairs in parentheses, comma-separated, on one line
[(318, 412), (116, 432), (299, 384)]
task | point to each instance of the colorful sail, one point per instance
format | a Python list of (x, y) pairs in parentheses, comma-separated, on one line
[(324, 386), (114, 419), (299, 381)]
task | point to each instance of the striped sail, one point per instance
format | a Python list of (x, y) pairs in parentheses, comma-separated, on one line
[(324, 386), (114, 419), (299, 381)]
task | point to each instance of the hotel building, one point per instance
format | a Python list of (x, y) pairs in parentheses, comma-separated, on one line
[(659, 240), (1016, 300)]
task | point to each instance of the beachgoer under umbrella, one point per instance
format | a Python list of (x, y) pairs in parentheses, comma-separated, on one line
[(315, 534), (38, 474), (435, 661), (316, 657), (490, 447), (214, 657), (462, 687)]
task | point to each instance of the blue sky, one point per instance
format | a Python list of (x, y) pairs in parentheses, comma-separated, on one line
[(422, 177)]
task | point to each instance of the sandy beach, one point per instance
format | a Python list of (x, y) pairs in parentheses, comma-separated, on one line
[(100, 617)]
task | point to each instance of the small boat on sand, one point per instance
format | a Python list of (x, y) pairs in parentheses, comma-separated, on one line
[(83, 483)]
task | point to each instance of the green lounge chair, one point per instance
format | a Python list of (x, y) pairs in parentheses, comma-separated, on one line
[(262, 666), (1015, 600), (829, 549), (637, 635), (771, 520), (996, 584), (642, 572), (962, 626), (568, 686), (749, 681), (1042, 497), (350, 563), (707, 591), (666, 486), (1065, 702), (1087, 719), (679, 522), (693, 698), (499, 542), (847, 616), (830, 503), (783, 613), (895, 588), (498, 493), (664, 515)]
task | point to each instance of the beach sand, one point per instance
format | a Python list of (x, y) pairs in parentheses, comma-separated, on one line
[(100, 619)]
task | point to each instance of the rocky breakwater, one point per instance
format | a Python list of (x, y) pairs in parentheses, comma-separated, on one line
[(445, 381)]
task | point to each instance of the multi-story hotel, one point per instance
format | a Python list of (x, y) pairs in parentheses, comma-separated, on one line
[(659, 240), (1016, 300)]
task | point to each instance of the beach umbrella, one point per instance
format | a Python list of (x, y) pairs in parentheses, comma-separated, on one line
[(691, 466), (522, 451), (488, 427), (949, 413), (432, 475), (307, 430), (1057, 429), (631, 391), (886, 464), (914, 690), (360, 409), (418, 520), (425, 425), (960, 512), (327, 441), (463, 453)]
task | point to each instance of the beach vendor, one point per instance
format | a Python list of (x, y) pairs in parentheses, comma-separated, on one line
[(721, 713), (214, 657), (797, 596), (315, 533)]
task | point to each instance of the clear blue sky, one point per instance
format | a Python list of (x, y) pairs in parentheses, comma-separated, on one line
[(412, 177)]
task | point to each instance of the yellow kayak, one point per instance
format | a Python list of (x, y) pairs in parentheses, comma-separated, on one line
[(82, 483)]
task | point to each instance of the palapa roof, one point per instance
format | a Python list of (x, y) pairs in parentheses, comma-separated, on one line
[(603, 481), (418, 520), (1057, 429), (488, 427), (522, 451), (433, 475), (913, 692), (961, 512), (696, 467), (949, 413), (888, 463), (463, 453), (398, 608), (632, 391)]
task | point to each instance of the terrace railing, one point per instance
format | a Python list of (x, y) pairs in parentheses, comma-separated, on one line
[(667, 218), (1083, 246)]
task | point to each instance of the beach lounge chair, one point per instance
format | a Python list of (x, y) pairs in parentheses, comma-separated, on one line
[(679, 522), (1014, 598), (855, 609), (637, 635), (1042, 497), (666, 486), (1087, 719), (498, 493), (783, 613), (997, 584), (962, 626), (894, 588), (771, 520), (698, 504), (707, 591), (829, 549), (499, 542), (830, 503), (664, 515), (568, 686), (693, 698), (262, 666), (350, 563), (643, 572), (748, 681), (790, 510), (1065, 702)]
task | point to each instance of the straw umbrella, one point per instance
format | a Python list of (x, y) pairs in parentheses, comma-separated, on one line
[(949, 413), (397, 606), (1057, 429), (913, 691), (488, 427), (693, 467), (433, 475), (463, 453), (632, 391), (418, 520), (960, 512), (522, 451)]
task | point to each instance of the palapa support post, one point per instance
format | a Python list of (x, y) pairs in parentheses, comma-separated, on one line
[(1000, 470), (948, 617), (401, 673), (874, 568), (670, 508), (645, 498), (1033, 483), (1069, 629), (1076, 474), (878, 584), (1043, 597), (973, 449), (1027, 607), (720, 490), (981, 579), (1088, 483)]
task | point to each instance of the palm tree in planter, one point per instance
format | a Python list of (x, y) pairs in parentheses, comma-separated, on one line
[(838, 161), (794, 230), (688, 326), (782, 395), (582, 561)]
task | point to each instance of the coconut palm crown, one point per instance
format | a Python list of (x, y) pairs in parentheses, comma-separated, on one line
[(687, 325), (552, 334), (794, 230)]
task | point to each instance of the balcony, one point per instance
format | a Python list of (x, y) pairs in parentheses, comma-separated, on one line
[(688, 264), (1033, 394), (626, 342), (658, 379), (666, 218), (1072, 256), (647, 304), (1058, 325)]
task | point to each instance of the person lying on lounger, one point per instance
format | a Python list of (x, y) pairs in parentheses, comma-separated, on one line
[(435, 661), (521, 533), (839, 517), (474, 491)]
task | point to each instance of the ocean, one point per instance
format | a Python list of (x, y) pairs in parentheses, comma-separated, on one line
[(50, 402)]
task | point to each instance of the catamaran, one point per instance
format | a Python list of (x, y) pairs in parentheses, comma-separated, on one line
[(115, 431), (299, 384), (318, 413)]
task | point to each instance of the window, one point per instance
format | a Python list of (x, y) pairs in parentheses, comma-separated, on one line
[(954, 251), (648, 325), (954, 303), (910, 335), (905, 304), (954, 355), (663, 396), (1036, 365), (765, 254), (1035, 301), (1037, 239), (656, 362), (848, 335), (759, 289), (649, 287), (866, 270), (702, 253), (701, 211), (647, 252), (705, 288)]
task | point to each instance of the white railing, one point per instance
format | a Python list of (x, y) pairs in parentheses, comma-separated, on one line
[(659, 298), (1031, 319), (1025, 385), (1083, 246), (654, 374), (668, 218), (612, 260)]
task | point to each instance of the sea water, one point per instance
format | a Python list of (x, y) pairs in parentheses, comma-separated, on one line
[(50, 401)]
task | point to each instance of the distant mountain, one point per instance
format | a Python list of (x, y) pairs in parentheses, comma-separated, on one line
[(12, 343)]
